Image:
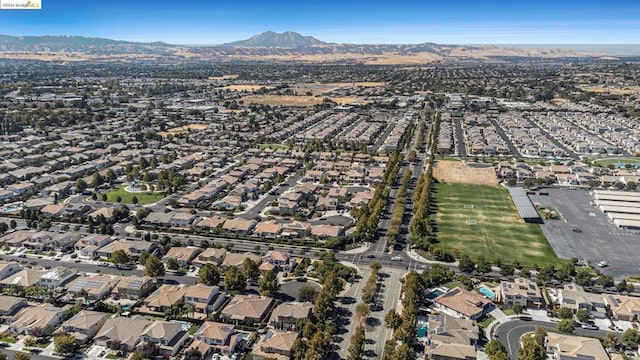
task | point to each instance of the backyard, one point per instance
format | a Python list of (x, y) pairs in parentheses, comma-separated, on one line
[(482, 220)]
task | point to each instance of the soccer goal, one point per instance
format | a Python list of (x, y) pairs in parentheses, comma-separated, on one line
[(472, 222)]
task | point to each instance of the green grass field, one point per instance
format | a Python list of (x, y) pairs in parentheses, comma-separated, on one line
[(624, 160), (143, 197), (273, 146), (500, 233)]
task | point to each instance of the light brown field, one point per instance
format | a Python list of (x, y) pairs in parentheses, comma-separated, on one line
[(241, 87), (181, 129), (295, 101), (458, 172), (319, 88), (224, 77), (605, 89)]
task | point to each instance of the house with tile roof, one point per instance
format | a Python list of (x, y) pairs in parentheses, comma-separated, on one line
[(246, 309)]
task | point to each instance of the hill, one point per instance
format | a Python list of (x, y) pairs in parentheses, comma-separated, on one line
[(287, 39)]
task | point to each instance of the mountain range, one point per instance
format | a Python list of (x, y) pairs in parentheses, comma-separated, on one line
[(268, 46)]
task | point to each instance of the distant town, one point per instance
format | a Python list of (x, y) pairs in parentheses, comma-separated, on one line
[(459, 209)]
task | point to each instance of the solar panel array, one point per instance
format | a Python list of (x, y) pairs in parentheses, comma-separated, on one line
[(524, 205)]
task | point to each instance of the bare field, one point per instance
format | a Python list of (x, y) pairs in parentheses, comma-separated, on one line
[(627, 90), (459, 172), (241, 87), (224, 77), (182, 129), (289, 100)]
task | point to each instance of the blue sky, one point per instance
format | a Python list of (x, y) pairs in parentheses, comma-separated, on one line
[(372, 21)]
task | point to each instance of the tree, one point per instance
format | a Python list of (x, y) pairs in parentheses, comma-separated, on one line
[(307, 293), (605, 281), (153, 267), (517, 308), (3, 227), (494, 347), (3, 356), (319, 346), (21, 356), (375, 266), (142, 259), (362, 310), (392, 319), (13, 224), (268, 284), (137, 355), (356, 345), (172, 264), (563, 313), (466, 264), (250, 269), (583, 315), (482, 265), (150, 350), (610, 341), (631, 338), (234, 279), (81, 185), (192, 354), (64, 344), (134, 199), (531, 350), (209, 274), (97, 180), (566, 326), (119, 257)]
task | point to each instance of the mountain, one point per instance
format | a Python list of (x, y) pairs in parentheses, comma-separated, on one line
[(287, 39), (267, 46), (80, 44)]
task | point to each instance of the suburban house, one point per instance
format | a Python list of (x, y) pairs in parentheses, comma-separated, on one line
[(89, 244), (183, 255), (246, 309), (570, 347), (461, 302), (134, 287), (274, 344), (133, 249), (445, 329), (210, 255), (520, 291), (122, 330), (236, 259), (23, 278), (164, 297), (57, 277), (621, 307), (205, 298), (169, 336), (9, 306), (96, 287), (214, 337), (574, 297), (8, 268), (281, 261), (84, 325), (239, 225), (286, 315), (44, 316)]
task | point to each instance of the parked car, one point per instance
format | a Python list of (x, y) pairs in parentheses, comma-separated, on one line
[(603, 264), (589, 327), (396, 258), (126, 267), (22, 256)]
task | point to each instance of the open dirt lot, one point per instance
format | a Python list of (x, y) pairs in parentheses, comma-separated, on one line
[(460, 172), (241, 87), (288, 100), (182, 129)]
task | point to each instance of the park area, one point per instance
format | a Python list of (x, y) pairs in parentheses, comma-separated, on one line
[(126, 197), (482, 220), (619, 162)]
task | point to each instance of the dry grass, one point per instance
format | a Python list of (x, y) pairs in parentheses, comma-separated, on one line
[(295, 101), (241, 87), (458, 172), (181, 129), (224, 77), (605, 89)]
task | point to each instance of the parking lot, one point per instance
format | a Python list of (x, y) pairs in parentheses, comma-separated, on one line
[(586, 233)]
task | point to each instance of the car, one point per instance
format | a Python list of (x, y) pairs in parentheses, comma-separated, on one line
[(603, 264), (112, 265), (125, 267), (301, 279), (22, 256), (589, 327), (396, 258), (576, 230), (371, 256)]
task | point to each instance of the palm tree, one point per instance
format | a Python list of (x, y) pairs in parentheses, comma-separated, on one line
[(191, 309)]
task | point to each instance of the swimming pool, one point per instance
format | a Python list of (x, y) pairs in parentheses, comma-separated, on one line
[(434, 294), (421, 330), (486, 292)]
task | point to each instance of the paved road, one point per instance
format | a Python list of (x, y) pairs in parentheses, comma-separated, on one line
[(556, 142), (458, 134), (510, 333), (512, 148), (255, 211)]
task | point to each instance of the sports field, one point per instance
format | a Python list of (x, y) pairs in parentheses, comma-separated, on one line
[(482, 220), (126, 197), (618, 160)]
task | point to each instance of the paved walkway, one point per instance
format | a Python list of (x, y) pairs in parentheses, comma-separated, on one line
[(358, 250)]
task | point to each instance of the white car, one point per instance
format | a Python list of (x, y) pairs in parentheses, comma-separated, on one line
[(603, 264), (396, 258)]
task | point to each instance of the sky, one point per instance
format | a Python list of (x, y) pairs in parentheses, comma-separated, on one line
[(343, 21)]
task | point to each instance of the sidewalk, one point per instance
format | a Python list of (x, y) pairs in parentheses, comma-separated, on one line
[(358, 250)]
